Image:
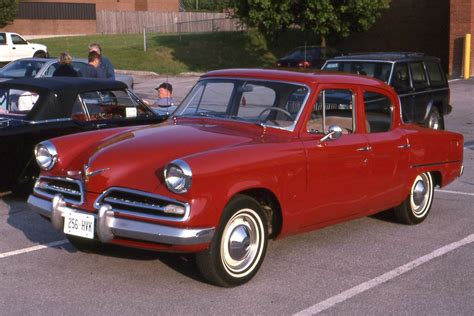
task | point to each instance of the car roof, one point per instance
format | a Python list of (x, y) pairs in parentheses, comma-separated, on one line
[(71, 85), (318, 77), (386, 56)]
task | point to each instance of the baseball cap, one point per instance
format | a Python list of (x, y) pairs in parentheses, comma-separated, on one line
[(165, 85)]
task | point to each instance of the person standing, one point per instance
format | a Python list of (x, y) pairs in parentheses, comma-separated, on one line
[(65, 68), (105, 69), (90, 70)]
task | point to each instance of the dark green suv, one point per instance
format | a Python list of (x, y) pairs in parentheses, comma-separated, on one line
[(417, 78)]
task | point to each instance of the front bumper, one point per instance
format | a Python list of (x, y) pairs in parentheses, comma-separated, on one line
[(108, 226)]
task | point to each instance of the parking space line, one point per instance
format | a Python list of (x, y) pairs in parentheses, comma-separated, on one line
[(34, 248), (455, 192), (363, 287)]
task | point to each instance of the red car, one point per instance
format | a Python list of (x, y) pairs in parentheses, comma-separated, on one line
[(247, 156)]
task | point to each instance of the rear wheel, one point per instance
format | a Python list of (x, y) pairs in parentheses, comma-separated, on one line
[(434, 120), (239, 245), (417, 205)]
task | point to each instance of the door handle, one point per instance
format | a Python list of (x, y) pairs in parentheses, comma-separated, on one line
[(366, 148), (406, 146)]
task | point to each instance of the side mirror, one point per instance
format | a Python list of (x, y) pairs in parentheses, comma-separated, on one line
[(334, 132)]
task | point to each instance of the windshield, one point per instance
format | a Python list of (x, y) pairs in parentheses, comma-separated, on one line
[(270, 103), (379, 70), (21, 69)]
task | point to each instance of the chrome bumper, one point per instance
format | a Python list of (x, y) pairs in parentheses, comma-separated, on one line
[(108, 226)]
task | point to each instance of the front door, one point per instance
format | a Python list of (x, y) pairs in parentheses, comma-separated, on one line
[(336, 169)]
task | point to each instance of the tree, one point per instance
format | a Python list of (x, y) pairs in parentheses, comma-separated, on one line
[(8, 10), (323, 17)]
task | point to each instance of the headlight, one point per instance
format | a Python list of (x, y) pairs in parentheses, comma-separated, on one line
[(178, 176), (46, 155)]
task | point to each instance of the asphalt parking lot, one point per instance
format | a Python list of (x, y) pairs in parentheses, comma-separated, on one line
[(369, 266)]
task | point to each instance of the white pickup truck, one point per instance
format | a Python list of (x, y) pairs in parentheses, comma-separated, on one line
[(13, 46)]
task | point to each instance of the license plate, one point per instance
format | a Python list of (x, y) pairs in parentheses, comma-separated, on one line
[(78, 224)]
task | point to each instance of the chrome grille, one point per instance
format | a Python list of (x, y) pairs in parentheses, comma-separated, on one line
[(70, 189), (142, 204)]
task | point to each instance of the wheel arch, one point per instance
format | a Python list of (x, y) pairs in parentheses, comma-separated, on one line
[(270, 205)]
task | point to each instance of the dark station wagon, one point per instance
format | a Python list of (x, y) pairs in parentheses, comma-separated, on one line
[(418, 79)]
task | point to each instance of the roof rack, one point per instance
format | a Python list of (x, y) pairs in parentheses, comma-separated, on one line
[(401, 54)]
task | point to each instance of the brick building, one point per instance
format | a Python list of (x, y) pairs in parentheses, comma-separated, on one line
[(434, 27), (45, 17)]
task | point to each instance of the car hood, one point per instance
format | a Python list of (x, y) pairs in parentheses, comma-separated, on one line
[(135, 158)]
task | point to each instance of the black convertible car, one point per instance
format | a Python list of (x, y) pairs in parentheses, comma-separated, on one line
[(32, 110)]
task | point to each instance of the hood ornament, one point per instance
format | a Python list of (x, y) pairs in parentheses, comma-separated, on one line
[(89, 173)]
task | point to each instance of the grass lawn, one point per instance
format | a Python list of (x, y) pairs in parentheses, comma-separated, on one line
[(174, 53)]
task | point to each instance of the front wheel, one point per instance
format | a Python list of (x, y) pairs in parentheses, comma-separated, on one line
[(417, 205), (239, 245)]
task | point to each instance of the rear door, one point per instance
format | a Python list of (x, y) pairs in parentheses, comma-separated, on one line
[(388, 150), (421, 91)]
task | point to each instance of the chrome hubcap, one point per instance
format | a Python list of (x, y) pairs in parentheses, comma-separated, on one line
[(239, 242), (421, 195), (242, 243)]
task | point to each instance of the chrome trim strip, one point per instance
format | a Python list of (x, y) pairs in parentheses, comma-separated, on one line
[(186, 206), (422, 92), (126, 228), (48, 195)]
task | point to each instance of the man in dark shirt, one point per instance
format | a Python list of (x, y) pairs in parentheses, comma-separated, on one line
[(105, 69), (91, 69)]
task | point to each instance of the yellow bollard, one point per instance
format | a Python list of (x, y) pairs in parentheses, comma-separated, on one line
[(467, 55)]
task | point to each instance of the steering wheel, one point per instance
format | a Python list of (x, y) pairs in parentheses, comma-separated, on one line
[(274, 108)]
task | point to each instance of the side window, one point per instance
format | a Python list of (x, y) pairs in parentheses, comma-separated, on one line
[(3, 39), (17, 40), (333, 107), (418, 75), (378, 112), (435, 73), (400, 78)]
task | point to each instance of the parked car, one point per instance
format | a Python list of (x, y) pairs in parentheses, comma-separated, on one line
[(32, 110), (45, 67), (248, 155), (13, 46), (307, 57), (418, 79)]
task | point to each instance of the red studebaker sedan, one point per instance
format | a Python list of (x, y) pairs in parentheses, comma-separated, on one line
[(248, 155)]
